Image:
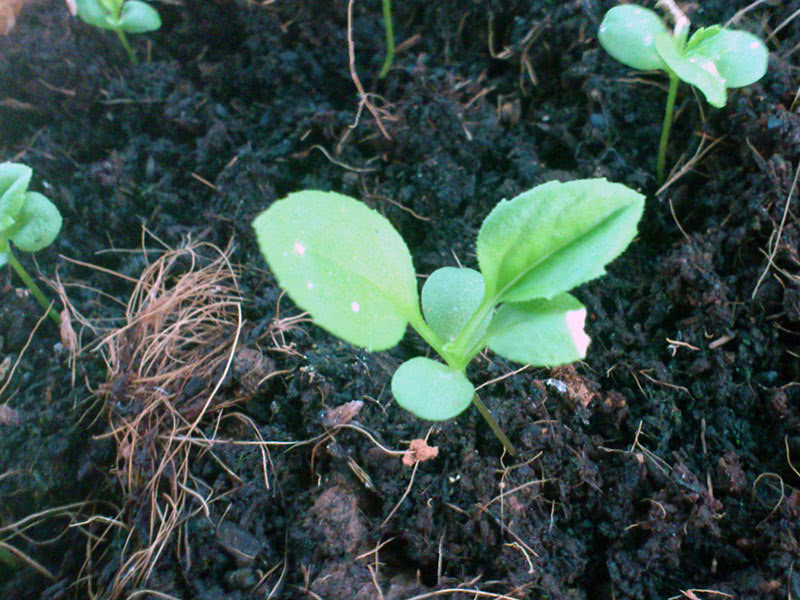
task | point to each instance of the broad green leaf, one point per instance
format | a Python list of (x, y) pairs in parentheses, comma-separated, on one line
[(14, 179), (740, 57), (342, 262), (139, 17), (540, 332), (431, 390), (449, 298), (95, 13), (695, 69), (38, 223), (556, 236), (628, 33)]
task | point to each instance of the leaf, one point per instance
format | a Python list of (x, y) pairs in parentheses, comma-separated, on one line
[(556, 236), (740, 57), (431, 390), (540, 332), (38, 223), (139, 17), (695, 69), (14, 179), (628, 33), (342, 262), (449, 297), (95, 13)]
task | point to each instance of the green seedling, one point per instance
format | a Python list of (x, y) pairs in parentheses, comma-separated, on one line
[(713, 59), (389, 29), (121, 17), (29, 220), (349, 268)]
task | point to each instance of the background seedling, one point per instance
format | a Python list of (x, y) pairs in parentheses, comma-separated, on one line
[(713, 59), (120, 16), (348, 267), (29, 220)]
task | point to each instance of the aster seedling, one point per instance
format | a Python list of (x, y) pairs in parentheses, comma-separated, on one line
[(29, 220), (349, 268), (713, 59), (121, 17)]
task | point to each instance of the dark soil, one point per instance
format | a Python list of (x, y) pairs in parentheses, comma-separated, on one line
[(670, 463)]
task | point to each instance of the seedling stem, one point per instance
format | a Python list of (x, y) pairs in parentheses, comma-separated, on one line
[(387, 25), (665, 128), (35, 290)]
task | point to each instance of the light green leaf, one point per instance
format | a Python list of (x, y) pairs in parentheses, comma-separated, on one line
[(540, 332), (139, 17), (556, 236), (740, 57), (14, 179), (450, 296), (431, 390), (95, 13), (38, 223), (342, 262), (628, 34), (695, 69)]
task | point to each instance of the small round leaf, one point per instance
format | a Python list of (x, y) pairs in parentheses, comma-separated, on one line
[(14, 179), (628, 33), (449, 298), (38, 223), (138, 17), (431, 390), (740, 57)]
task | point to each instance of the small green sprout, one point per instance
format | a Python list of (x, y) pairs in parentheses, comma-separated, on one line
[(29, 220), (120, 16), (713, 59), (389, 29), (349, 268)]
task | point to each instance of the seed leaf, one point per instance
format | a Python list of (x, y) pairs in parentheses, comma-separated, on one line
[(95, 13), (540, 332), (449, 298), (342, 262), (740, 57), (628, 34), (554, 237), (14, 179), (38, 223), (139, 17), (431, 390)]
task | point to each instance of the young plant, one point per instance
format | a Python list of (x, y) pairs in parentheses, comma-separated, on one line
[(29, 220), (120, 16), (348, 267), (713, 59)]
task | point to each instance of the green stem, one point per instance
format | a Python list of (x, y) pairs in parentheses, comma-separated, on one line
[(124, 41), (28, 281), (387, 25), (493, 425), (665, 128)]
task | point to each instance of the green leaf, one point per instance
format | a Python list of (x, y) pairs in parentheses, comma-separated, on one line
[(450, 296), (95, 13), (139, 17), (556, 236), (695, 69), (540, 332), (628, 33), (342, 262), (431, 390), (14, 179), (740, 57), (38, 223)]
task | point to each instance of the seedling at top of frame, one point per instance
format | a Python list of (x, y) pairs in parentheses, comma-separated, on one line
[(349, 268), (121, 17), (713, 59)]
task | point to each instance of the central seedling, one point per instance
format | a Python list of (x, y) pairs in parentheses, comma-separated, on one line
[(348, 267), (121, 17)]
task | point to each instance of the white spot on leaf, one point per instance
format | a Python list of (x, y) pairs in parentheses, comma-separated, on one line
[(575, 323), (310, 285), (355, 307), (299, 249)]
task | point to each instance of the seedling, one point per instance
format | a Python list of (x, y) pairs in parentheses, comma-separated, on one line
[(348, 267), (29, 220), (713, 59), (120, 16)]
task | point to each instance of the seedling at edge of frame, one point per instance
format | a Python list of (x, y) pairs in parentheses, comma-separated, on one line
[(120, 16), (713, 59), (29, 220), (349, 268)]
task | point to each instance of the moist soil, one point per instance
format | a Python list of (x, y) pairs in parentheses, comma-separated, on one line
[(665, 465)]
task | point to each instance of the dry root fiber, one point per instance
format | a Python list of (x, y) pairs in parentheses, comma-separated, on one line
[(165, 367)]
